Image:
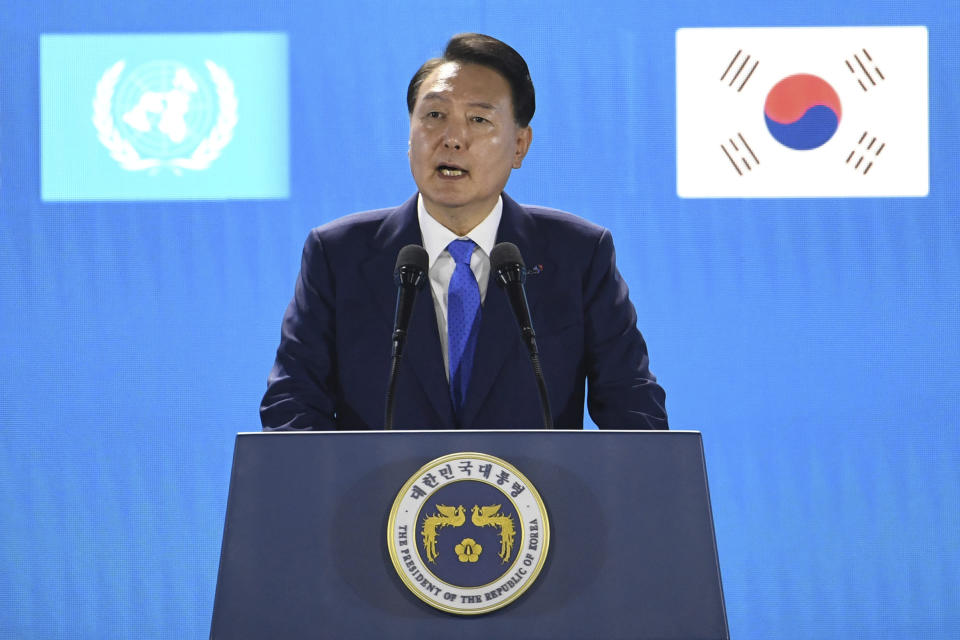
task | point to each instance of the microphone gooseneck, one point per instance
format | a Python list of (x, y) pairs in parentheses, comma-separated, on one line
[(409, 275), (511, 274)]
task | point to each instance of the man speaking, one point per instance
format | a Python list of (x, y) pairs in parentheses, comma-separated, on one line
[(465, 363)]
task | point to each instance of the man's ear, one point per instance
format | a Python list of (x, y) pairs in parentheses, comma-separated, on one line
[(524, 138)]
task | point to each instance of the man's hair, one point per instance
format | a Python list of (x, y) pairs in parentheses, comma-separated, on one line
[(476, 48)]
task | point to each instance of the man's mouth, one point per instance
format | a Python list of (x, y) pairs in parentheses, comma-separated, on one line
[(451, 171)]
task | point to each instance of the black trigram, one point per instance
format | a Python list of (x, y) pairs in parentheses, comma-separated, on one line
[(738, 154), (868, 153), (739, 69), (863, 66)]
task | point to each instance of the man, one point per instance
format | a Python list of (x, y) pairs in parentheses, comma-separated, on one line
[(464, 365)]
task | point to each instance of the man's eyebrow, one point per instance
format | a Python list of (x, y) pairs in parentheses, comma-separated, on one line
[(442, 97), (435, 95)]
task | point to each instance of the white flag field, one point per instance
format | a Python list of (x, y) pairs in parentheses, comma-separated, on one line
[(792, 112)]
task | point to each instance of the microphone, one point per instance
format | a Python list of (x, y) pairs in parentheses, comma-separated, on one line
[(409, 276), (507, 263)]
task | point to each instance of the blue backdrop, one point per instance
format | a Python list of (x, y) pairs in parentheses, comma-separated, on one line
[(814, 342)]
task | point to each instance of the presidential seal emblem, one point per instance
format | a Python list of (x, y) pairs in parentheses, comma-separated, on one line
[(468, 533), (164, 114)]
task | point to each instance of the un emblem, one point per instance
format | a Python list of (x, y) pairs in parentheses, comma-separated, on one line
[(165, 114), (468, 533)]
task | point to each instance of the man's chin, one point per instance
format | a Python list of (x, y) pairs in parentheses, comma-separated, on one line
[(451, 202), (458, 215), (451, 206)]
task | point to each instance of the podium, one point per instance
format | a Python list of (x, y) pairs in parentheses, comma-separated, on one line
[(632, 551)]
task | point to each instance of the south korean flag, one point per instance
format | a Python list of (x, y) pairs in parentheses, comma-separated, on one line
[(802, 112)]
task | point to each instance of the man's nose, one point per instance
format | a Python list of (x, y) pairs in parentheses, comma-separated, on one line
[(454, 137)]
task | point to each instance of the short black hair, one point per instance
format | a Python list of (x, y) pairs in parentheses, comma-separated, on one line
[(476, 48)]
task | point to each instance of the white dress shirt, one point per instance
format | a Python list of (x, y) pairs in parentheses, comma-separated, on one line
[(436, 237)]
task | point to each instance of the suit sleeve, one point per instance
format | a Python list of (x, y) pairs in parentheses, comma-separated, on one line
[(621, 391), (302, 384)]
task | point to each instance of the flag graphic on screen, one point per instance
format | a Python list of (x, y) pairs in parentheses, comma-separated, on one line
[(802, 112), (163, 116)]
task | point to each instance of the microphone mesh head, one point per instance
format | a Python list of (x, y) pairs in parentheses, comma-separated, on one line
[(413, 255), (506, 255)]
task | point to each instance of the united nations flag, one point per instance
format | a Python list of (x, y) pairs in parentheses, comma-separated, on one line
[(164, 116), (468, 533)]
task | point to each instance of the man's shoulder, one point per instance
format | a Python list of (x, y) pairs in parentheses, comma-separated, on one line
[(360, 224), (563, 226), (559, 217)]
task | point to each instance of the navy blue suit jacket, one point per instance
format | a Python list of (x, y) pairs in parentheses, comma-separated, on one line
[(334, 355)]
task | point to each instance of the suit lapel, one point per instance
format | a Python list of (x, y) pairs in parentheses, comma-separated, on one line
[(422, 354), (499, 334)]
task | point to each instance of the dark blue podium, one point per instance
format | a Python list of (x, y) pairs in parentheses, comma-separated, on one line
[(632, 548)]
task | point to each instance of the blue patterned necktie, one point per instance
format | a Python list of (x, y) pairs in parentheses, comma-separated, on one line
[(463, 320)]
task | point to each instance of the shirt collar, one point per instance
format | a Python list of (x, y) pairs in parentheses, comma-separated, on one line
[(436, 237)]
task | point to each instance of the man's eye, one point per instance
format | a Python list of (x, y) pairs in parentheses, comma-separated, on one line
[(479, 119), (434, 114)]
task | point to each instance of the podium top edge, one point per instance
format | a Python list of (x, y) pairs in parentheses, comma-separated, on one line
[(470, 431)]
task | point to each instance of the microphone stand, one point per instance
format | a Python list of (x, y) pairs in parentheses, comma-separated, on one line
[(511, 275), (410, 277), (541, 384)]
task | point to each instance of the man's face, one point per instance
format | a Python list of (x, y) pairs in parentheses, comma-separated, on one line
[(464, 141)]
